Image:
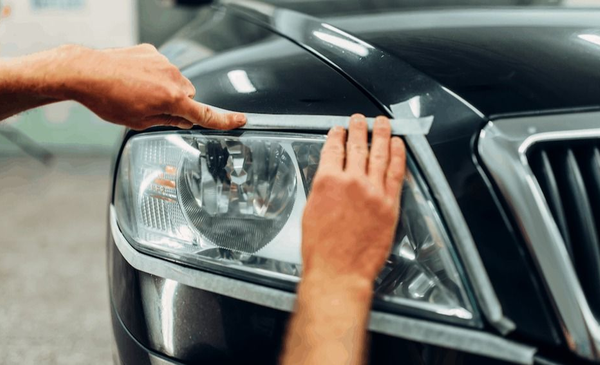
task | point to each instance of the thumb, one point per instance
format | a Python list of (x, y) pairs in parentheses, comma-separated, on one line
[(204, 116)]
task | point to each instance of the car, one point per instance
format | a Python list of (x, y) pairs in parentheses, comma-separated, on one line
[(496, 257)]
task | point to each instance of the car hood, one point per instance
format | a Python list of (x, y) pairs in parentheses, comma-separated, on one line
[(502, 61), (324, 8)]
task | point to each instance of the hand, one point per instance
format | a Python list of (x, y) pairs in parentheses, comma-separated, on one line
[(139, 88), (351, 215), (347, 230)]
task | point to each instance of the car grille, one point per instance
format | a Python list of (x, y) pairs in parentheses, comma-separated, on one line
[(547, 169), (568, 173)]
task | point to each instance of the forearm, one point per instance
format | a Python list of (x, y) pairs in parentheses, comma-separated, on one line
[(35, 80), (329, 326)]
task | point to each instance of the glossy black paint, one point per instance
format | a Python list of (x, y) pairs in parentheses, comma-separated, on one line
[(268, 63), (502, 61), (213, 329), (192, 325), (294, 73), (390, 81), (324, 8), (397, 88), (503, 253), (130, 351)]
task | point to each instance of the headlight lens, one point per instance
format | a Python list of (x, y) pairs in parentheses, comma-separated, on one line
[(233, 204), (237, 195)]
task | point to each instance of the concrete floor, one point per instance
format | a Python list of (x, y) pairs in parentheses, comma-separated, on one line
[(53, 286)]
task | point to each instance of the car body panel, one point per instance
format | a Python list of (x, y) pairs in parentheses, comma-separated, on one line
[(455, 128), (182, 324), (291, 73), (502, 61)]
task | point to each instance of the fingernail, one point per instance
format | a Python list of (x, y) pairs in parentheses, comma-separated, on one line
[(357, 118), (397, 142), (240, 119), (335, 129)]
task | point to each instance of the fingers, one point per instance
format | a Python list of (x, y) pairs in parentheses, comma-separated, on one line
[(186, 85), (380, 151), (166, 120), (396, 169), (204, 116), (185, 125), (357, 150), (333, 153)]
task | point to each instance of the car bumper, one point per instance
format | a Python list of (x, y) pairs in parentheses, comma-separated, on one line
[(161, 321), (156, 326), (128, 351)]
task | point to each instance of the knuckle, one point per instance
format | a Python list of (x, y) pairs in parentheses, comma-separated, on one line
[(192, 91), (357, 184), (163, 58), (372, 200), (206, 115), (147, 47), (326, 180), (395, 174), (179, 96), (174, 70), (379, 156), (171, 97), (382, 131), (358, 149), (334, 150)]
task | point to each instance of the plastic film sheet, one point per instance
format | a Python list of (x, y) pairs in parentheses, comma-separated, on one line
[(401, 126)]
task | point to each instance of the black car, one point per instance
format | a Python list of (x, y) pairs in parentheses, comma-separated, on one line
[(497, 254)]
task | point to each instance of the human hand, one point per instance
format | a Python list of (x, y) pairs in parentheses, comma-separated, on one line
[(351, 215), (138, 87)]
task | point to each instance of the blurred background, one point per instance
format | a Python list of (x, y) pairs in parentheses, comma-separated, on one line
[(54, 293), (53, 289)]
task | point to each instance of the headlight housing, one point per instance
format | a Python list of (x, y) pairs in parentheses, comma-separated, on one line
[(232, 203)]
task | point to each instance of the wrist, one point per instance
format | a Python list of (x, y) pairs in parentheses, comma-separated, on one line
[(65, 75), (325, 284)]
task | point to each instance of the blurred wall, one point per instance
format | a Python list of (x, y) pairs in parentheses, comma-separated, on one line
[(35, 25), (157, 23)]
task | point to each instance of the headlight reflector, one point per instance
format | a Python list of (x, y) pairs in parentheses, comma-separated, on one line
[(233, 204), (237, 195)]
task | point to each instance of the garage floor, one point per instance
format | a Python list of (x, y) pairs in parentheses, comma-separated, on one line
[(53, 286)]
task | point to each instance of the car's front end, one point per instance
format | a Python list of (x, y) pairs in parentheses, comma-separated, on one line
[(203, 254)]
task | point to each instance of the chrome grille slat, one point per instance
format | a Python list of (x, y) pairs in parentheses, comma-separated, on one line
[(543, 170), (592, 178), (578, 229), (504, 146)]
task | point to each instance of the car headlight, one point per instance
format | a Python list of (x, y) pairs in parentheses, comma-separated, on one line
[(232, 203)]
